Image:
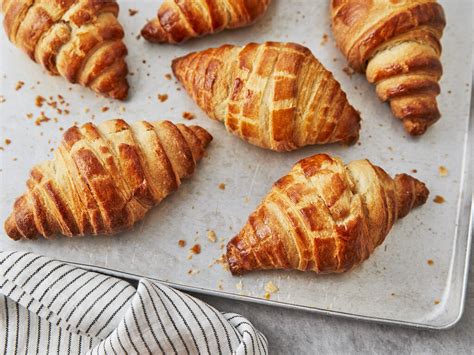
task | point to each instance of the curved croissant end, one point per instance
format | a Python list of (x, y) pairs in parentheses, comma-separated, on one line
[(324, 217), (178, 21), (398, 45), (105, 178), (274, 95), (80, 40)]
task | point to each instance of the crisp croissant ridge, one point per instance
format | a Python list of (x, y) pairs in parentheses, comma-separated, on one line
[(273, 95), (178, 21), (105, 178), (397, 44), (81, 40), (324, 216)]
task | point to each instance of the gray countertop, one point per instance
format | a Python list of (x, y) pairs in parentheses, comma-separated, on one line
[(299, 332)]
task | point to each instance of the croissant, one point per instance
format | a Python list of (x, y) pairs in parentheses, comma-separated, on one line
[(105, 178), (180, 20), (397, 45), (273, 95), (81, 40), (324, 216)]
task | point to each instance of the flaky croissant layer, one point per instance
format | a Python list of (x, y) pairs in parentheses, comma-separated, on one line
[(105, 178), (178, 21), (324, 216), (274, 95), (81, 40), (397, 45)]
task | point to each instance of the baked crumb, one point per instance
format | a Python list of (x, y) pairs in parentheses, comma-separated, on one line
[(123, 108), (436, 301), (348, 70), (219, 285), (132, 12), (162, 97), (211, 236), (188, 116), (442, 171), (414, 171), (193, 272), (19, 85), (430, 262), (104, 109), (270, 287), (439, 199), (168, 76), (239, 285), (2, 99), (196, 249), (8, 141), (86, 110), (267, 295), (222, 186), (324, 39), (42, 118), (182, 243)]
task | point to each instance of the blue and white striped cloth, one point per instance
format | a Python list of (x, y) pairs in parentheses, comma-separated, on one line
[(51, 307)]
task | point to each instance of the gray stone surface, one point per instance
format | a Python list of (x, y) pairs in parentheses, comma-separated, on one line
[(298, 332)]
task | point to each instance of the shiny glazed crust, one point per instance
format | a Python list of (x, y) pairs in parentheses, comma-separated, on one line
[(397, 44), (274, 95), (324, 216), (180, 20), (81, 40), (105, 178)]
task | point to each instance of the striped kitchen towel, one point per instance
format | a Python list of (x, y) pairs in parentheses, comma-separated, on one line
[(51, 307)]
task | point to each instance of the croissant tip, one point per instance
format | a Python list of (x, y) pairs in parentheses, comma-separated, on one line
[(153, 32), (204, 136), (235, 266), (11, 229)]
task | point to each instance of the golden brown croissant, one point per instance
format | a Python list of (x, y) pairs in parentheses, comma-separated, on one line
[(274, 95), (81, 40), (105, 178), (180, 20), (323, 216), (397, 44)]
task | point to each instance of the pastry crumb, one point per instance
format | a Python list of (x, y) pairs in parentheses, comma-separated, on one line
[(132, 12), (349, 71), (182, 243), (162, 97), (267, 295), (324, 39), (8, 141), (19, 85), (188, 116), (211, 236), (430, 262), (270, 287), (414, 171), (168, 76), (439, 199), (436, 301), (219, 285), (222, 186), (41, 119), (239, 285), (2, 99), (196, 249), (442, 171), (104, 109), (193, 272), (123, 109)]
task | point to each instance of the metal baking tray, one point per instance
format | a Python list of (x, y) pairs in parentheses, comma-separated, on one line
[(417, 277)]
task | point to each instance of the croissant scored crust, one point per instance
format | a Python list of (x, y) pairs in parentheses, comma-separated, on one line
[(105, 178), (324, 216), (274, 95), (81, 40), (397, 45), (180, 20)]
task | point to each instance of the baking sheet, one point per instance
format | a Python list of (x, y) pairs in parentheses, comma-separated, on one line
[(397, 284)]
